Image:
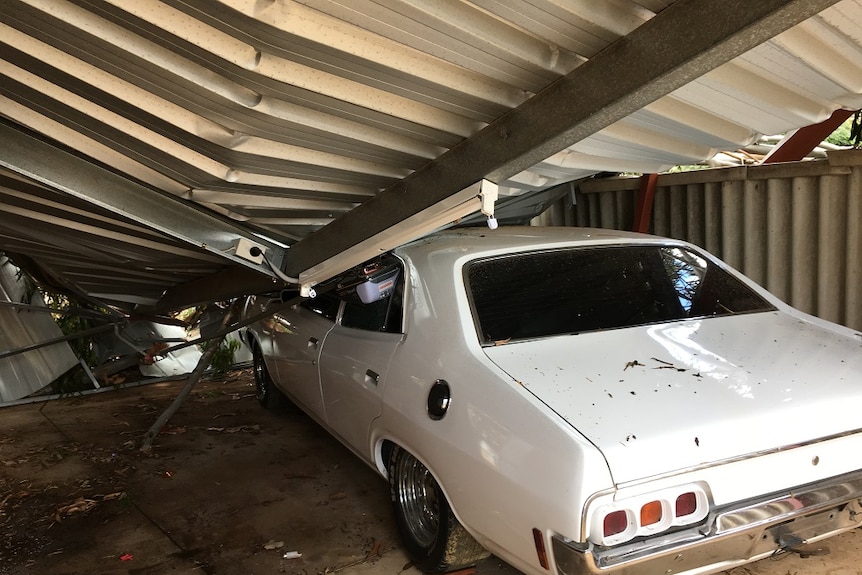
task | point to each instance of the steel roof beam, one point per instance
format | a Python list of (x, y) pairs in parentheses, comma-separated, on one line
[(40, 161), (681, 43)]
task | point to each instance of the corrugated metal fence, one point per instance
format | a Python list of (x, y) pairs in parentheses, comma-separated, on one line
[(794, 228)]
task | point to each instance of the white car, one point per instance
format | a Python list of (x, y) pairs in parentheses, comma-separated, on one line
[(578, 401)]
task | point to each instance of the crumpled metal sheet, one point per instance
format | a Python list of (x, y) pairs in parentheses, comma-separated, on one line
[(23, 374)]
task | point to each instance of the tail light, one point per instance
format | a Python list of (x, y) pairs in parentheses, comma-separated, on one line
[(616, 522), (652, 513), (686, 504), (649, 514)]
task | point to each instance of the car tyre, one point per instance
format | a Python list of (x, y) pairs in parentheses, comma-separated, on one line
[(434, 539), (267, 393)]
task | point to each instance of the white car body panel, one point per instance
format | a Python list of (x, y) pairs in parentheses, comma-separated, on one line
[(659, 398), (496, 437), (540, 433), (351, 378), (297, 340)]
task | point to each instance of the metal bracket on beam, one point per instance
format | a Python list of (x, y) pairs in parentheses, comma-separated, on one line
[(249, 250), (489, 192)]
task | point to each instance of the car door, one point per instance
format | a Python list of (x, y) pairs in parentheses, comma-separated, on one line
[(354, 364), (297, 342)]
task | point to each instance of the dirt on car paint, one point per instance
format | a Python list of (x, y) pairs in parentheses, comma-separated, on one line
[(228, 489)]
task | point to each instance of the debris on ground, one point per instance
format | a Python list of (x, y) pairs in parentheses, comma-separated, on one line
[(374, 551), (178, 496), (83, 505), (377, 550), (237, 429), (272, 544)]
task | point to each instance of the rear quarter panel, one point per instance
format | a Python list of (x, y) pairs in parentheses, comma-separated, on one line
[(506, 462)]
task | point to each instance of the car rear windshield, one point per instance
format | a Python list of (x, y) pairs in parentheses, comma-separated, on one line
[(566, 291)]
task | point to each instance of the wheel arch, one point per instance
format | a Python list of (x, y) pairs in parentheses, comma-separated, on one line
[(250, 337), (382, 454), (437, 541), (385, 446)]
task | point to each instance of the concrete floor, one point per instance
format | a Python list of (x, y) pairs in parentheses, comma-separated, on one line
[(224, 482)]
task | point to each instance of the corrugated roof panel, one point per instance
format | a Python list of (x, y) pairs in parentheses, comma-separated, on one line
[(831, 54), (460, 34), (798, 78), (283, 115), (751, 99), (846, 18), (92, 248), (23, 374)]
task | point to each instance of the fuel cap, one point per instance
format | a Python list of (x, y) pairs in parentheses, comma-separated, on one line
[(438, 399)]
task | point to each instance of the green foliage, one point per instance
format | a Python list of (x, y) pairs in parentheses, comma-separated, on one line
[(75, 379), (848, 133), (223, 358), (841, 136), (688, 168), (191, 315)]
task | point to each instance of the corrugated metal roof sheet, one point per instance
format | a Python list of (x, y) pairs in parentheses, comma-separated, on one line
[(107, 256), (22, 374), (283, 115)]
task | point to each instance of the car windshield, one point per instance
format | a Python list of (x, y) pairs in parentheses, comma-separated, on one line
[(567, 291)]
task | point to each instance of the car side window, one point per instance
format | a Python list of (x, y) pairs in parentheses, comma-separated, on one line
[(325, 304), (385, 311)]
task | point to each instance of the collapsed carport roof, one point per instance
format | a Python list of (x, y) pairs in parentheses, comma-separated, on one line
[(146, 145)]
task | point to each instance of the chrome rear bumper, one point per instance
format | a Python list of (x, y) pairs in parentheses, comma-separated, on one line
[(730, 537)]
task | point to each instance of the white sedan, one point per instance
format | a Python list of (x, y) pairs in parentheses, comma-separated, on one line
[(578, 401)]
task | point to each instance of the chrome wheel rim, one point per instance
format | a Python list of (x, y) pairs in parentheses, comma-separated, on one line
[(418, 498)]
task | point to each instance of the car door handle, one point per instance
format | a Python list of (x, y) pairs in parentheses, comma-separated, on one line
[(371, 377), (313, 341)]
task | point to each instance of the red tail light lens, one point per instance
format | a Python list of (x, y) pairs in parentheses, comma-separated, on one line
[(615, 522), (651, 513), (686, 504)]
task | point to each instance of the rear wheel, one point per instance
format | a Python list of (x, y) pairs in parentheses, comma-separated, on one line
[(432, 536), (267, 393)]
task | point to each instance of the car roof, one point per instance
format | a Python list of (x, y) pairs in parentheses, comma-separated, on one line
[(479, 240)]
